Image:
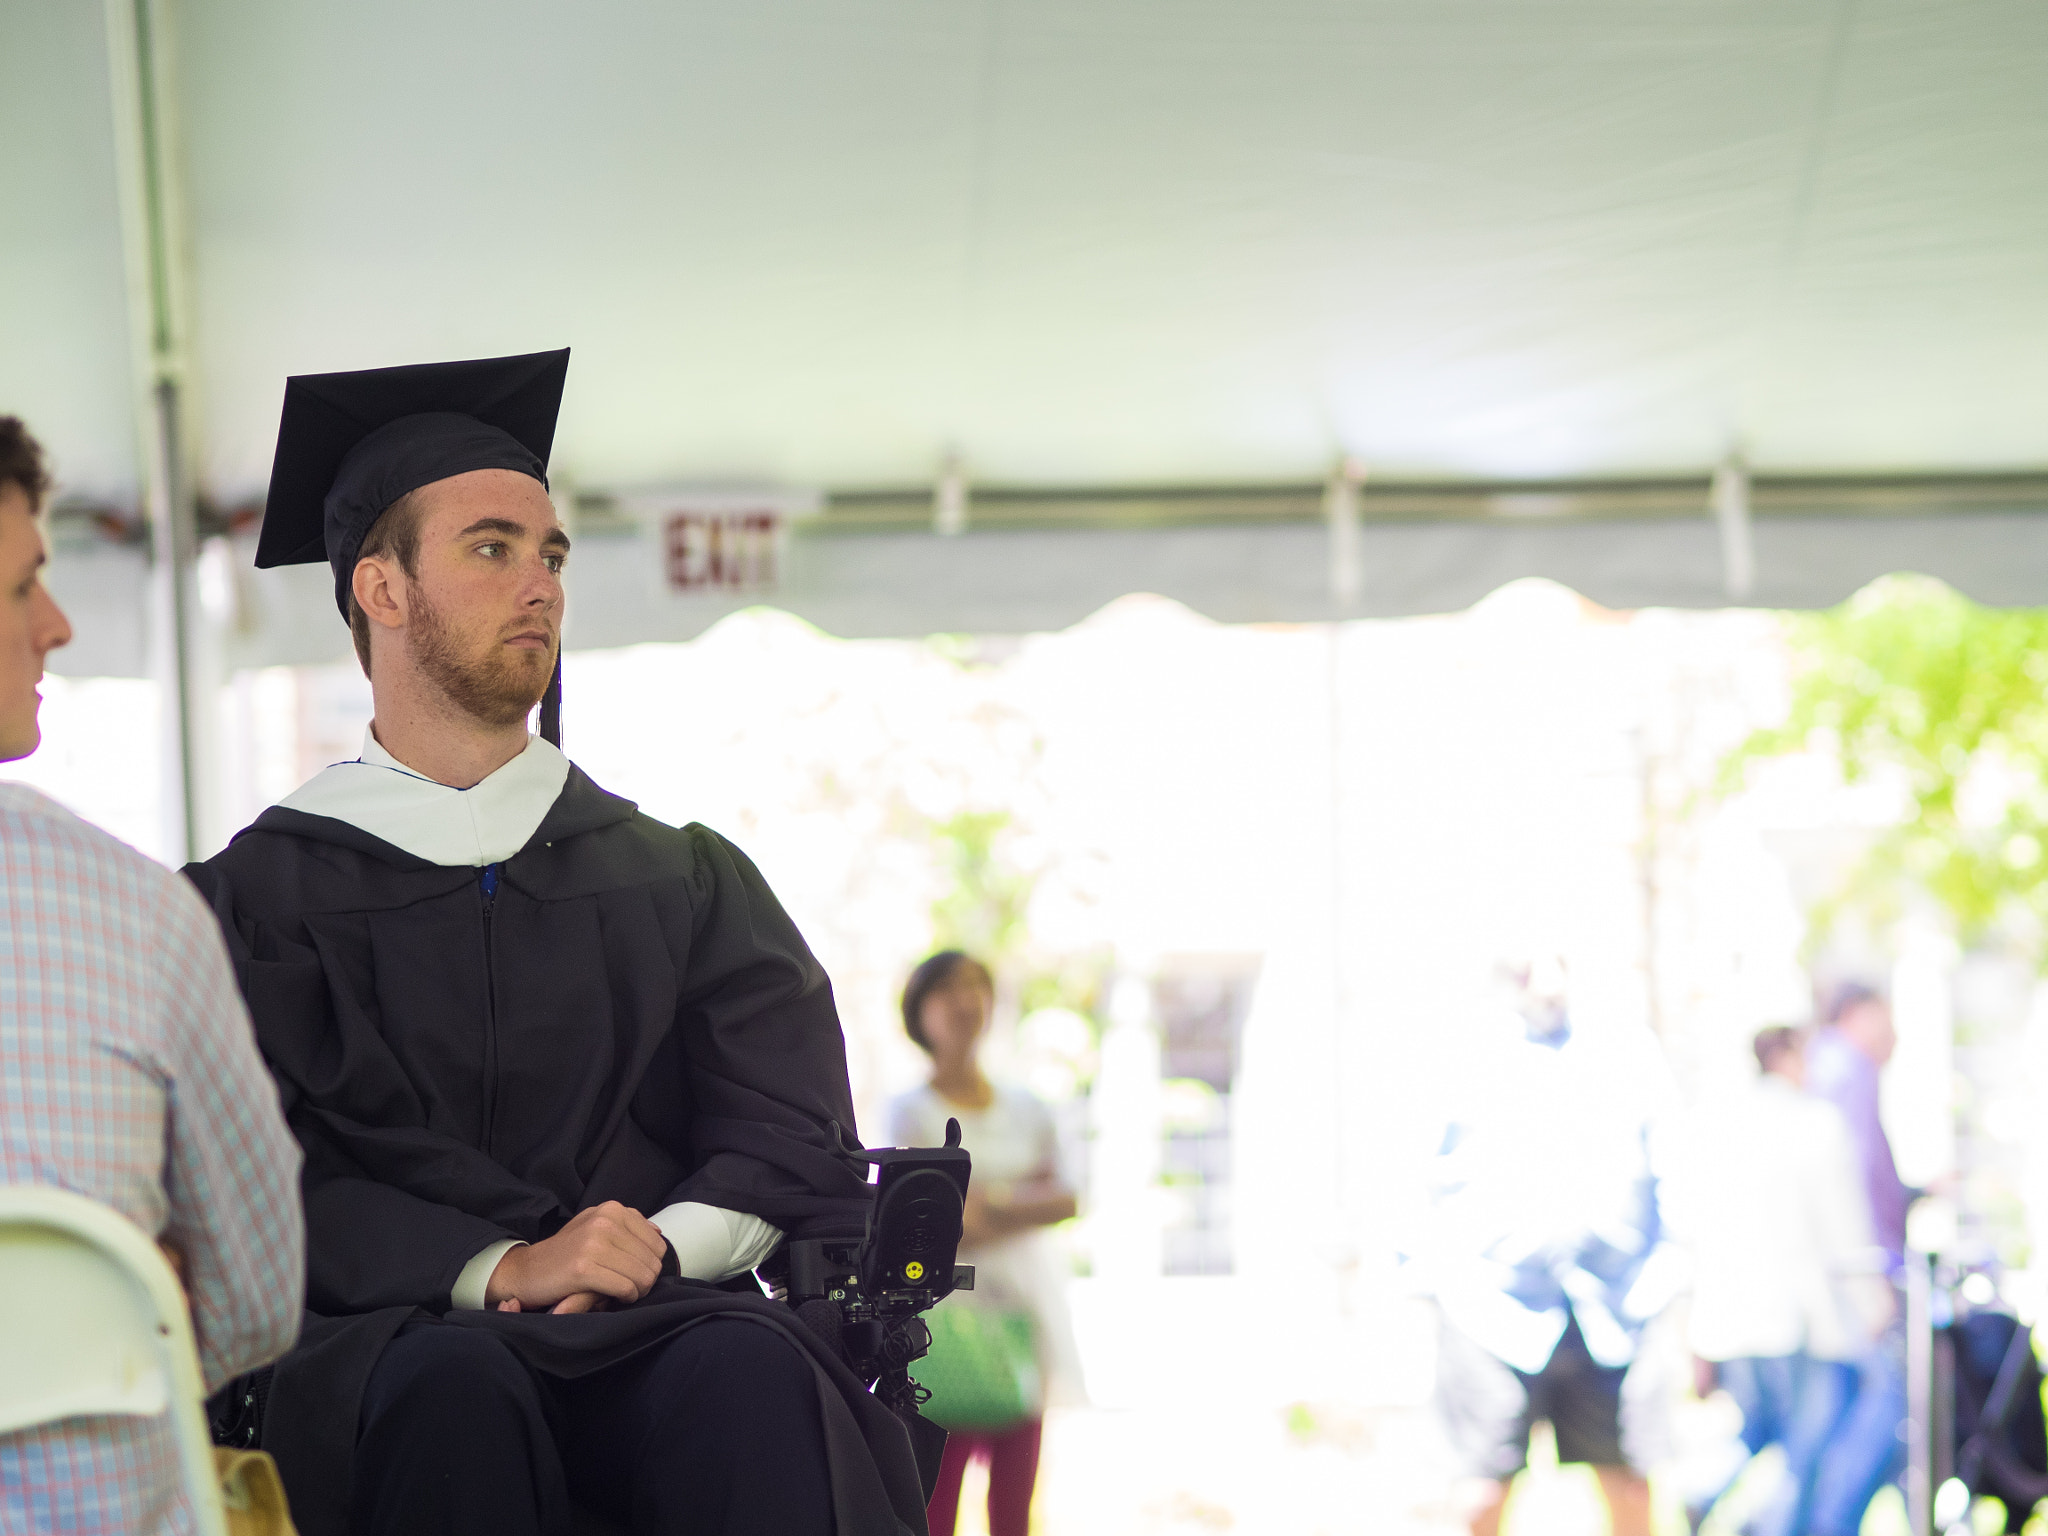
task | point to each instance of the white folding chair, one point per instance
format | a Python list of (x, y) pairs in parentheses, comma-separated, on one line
[(92, 1321)]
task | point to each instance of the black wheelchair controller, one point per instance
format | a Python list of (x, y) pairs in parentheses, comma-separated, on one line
[(865, 1295)]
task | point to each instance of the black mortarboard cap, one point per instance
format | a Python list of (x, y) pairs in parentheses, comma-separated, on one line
[(350, 444)]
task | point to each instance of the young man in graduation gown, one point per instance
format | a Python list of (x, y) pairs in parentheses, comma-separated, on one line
[(559, 1070)]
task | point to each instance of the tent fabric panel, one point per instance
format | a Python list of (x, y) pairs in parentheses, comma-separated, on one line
[(809, 244), (65, 365)]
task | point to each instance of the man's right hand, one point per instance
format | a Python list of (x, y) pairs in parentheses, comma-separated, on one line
[(610, 1252)]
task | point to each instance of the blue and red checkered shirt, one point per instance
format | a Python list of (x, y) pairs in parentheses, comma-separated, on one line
[(129, 1074)]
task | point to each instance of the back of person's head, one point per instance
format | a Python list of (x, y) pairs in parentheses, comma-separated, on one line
[(934, 974), (1844, 997), (1535, 982), (1862, 1015), (31, 624), (1772, 1045)]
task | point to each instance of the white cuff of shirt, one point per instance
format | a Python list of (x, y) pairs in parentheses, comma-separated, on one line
[(712, 1243), (474, 1281)]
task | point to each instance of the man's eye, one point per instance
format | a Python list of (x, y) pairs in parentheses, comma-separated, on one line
[(555, 562), (492, 549)]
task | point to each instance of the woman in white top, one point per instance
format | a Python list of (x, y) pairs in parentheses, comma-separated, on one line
[(1016, 1192)]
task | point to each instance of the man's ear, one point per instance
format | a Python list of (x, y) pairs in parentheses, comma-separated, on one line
[(380, 591)]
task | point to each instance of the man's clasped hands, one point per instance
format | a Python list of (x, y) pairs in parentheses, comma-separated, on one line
[(608, 1253)]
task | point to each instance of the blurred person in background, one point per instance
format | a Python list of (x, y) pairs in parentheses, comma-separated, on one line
[(1546, 1249), (1788, 1286), (128, 1074), (1002, 1350), (1844, 1061), (1843, 1066)]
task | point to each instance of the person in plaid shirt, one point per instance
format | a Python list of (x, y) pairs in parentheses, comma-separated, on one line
[(129, 1074)]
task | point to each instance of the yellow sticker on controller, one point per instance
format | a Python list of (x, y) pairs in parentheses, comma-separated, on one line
[(914, 1270)]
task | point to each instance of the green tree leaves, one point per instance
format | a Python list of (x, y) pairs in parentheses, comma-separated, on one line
[(1912, 684)]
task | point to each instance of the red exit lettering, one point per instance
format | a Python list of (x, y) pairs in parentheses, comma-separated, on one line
[(729, 551)]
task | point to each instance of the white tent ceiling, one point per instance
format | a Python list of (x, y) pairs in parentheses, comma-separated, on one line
[(1076, 241), (1080, 239)]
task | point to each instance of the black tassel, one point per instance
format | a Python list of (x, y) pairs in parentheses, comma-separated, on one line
[(551, 708)]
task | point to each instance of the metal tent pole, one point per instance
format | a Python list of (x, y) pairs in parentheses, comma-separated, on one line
[(153, 241), (1919, 1478)]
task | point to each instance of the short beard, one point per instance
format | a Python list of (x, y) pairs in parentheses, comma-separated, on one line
[(496, 688)]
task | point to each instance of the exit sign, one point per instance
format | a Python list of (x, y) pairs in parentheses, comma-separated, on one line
[(705, 551)]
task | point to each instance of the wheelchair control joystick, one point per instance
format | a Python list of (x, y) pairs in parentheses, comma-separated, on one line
[(866, 1294)]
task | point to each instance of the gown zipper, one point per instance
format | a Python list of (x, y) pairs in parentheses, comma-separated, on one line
[(487, 885)]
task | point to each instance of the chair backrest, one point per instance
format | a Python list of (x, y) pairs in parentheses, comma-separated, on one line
[(92, 1321)]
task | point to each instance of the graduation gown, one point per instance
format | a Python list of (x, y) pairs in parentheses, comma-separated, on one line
[(631, 1016)]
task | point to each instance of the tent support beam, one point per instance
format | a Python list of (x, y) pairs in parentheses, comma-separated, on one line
[(949, 499), (1340, 509), (153, 242), (1383, 500), (1729, 495)]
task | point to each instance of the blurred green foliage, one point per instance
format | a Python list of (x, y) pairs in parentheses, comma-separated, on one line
[(1912, 684), (982, 910), (1074, 981), (985, 910)]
